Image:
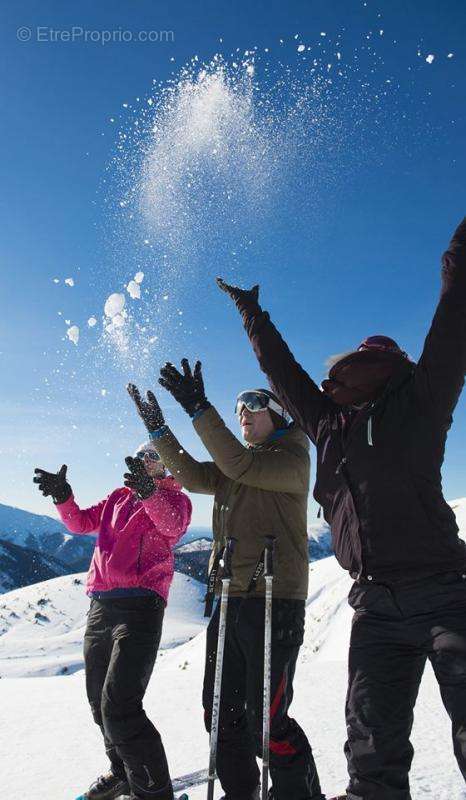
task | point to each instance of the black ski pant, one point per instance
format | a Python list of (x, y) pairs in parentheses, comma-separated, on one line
[(292, 768), (396, 628), (120, 648)]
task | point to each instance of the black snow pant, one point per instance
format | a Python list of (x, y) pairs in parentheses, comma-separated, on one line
[(292, 768), (120, 648), (396, 628)]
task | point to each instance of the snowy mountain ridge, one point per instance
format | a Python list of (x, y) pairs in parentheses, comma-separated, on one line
[(21, 566), (44, 534), (195, 546)]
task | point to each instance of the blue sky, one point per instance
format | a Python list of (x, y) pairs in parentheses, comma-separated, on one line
[(347, 244)]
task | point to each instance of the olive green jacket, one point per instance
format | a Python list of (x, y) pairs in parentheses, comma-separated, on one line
[(258, 491)]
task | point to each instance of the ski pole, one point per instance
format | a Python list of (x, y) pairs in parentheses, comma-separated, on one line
[(226, 579), (268, 575)]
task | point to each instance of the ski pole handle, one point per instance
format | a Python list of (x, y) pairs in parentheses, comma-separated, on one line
[(228, 557), (268, 556)]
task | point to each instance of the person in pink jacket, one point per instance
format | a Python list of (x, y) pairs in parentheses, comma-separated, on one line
[(129, 579)]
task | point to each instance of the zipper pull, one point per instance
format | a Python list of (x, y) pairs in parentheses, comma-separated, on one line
[(369, 432), (319, 513), (341, 465)]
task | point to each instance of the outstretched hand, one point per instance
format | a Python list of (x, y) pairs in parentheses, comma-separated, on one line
[(54, 484), (187, 387), (137, 478), (242, 297), (149, 409)]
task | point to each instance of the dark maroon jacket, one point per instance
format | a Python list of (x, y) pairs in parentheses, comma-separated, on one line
[(379, 477)]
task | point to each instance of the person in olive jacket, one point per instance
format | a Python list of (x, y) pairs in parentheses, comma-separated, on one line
[(380, 425), (260, 488)]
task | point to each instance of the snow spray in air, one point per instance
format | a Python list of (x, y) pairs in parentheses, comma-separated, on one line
[(201, 174)]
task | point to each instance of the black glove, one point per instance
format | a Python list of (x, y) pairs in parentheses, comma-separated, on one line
[(54, 484), (137, 478), (149, 410), (246, 300), (187, 389)]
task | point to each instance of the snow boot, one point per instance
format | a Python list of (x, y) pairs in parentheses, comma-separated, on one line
[(107, 787)]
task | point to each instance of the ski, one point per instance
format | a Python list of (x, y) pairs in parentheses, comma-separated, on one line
[(120, 797), (188, 781)]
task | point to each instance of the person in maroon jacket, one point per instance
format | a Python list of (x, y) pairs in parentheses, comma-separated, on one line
[(380, 424)]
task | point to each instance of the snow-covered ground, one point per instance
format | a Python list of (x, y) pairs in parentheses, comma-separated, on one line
[(48, 730), (46, 623)]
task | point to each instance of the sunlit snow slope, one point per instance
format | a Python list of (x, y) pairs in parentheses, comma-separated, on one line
[(45, 624)]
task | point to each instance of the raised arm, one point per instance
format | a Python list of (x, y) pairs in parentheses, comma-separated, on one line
[(441, 369), (80, 521), (297, 391), (169, 510), (282, 469), (56, 486), (200, 477)]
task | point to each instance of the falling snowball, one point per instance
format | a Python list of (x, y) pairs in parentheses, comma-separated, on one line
[(250, 70), (301, 48), (103, 392), (139, 277), (69, 281), (134, 290), (450, 55), (91, 322), (114, 305), (118, 321), (57, 280), (73, 334), (430, 58)]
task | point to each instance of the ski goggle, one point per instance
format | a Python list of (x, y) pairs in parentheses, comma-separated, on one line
[(257, 401), (153, 456)]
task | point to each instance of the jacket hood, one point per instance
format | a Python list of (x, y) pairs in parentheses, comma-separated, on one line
[(293, 434)]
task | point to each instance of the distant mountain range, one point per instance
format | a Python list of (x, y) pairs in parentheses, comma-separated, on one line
[(45, 535), (21, 566)]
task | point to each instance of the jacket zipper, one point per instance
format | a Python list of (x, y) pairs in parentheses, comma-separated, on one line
[(369, 432), (340, 469), (341, 465), (138, 568)]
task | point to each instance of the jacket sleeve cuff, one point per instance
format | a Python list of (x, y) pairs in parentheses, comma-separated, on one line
[(63, 508), (159, 432)]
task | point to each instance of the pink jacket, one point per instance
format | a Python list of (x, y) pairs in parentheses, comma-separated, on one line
[(135, 537)]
